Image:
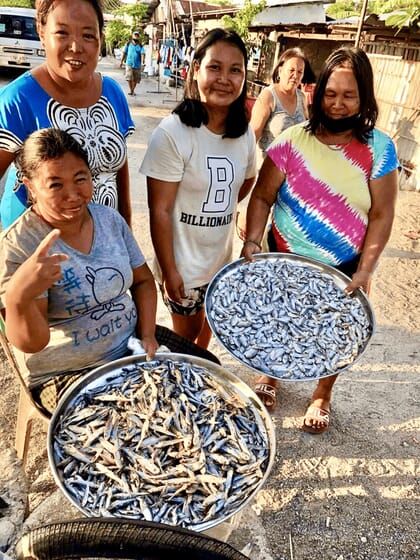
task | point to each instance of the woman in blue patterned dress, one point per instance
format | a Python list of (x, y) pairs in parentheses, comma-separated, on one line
[(67, 93)]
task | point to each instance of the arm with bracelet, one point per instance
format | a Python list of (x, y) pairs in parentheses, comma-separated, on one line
[(256, 243), (261, 201)]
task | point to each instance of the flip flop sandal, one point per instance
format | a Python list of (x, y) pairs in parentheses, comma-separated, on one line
[(414, 235), (267, 392), (316, 413)]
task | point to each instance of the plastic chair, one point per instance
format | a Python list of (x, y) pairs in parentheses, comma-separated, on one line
[(28, 410)]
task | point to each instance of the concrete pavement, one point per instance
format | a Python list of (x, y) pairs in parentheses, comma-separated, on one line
[(153, 101), (348, 494)]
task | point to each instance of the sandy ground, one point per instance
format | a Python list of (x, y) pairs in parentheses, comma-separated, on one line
[(349, 494)]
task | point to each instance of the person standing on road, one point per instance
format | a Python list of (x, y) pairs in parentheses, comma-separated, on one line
[(133, 55), (332, 183), (66, 92), (281, 104), (199, 163), (124, 53)]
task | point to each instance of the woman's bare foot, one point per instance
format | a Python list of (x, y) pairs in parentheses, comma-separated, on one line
[(317, 416), (266, 388)]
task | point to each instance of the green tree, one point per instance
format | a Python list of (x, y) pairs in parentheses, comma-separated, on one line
[(17, 3), (118, 31), (243, 18), (343, 9), (400, 12), (134, 12)]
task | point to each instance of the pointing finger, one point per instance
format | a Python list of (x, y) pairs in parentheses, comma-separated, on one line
[(47, 243), (59, 257)]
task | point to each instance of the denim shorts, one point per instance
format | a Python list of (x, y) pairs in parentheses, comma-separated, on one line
[(190, 305)]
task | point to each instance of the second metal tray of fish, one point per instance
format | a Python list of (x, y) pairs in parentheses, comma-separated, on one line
[(98, 452), (288, 317)]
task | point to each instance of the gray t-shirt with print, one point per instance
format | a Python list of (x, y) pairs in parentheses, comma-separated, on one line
[(90, 311)]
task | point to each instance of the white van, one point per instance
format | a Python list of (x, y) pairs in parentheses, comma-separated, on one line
[(20, 46)]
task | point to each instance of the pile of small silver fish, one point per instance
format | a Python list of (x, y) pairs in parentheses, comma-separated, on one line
[(161, 440), (288, 320)]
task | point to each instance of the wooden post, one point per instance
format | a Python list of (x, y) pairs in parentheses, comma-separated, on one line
[(360, 26), (192, 37)]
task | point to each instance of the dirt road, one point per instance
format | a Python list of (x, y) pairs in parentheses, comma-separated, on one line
[(349, 494)]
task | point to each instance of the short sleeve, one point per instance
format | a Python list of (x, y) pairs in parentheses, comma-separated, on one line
[(251, 170), (113, 92), (22, 110), (385, 157), (163, 160), (14, 253), (280, 149), (7, 269), (137, 258)]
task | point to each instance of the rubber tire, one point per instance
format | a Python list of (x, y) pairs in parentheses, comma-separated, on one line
[(120, 538), (180, 345)]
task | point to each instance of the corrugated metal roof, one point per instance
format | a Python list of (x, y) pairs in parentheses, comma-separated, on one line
[(303, 14), (183, 7), (272, 3)]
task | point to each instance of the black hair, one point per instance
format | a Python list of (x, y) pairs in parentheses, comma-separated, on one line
[(308, 74), (192, 111), (358, 60), (44, 145), (43, 7)]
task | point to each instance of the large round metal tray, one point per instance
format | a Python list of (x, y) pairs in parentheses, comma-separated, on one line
[(252, 335), (114, 373)]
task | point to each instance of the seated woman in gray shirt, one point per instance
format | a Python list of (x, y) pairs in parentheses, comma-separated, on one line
[(74, 285)]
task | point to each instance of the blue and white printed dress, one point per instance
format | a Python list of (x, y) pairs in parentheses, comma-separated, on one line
[(101, 129)]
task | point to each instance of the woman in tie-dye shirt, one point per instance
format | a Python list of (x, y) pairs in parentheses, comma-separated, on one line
[(333, 184)]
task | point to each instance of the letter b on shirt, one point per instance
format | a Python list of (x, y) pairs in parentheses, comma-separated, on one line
[(219, 194)]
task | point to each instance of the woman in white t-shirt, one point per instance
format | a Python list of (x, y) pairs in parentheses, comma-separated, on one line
[(199, 163)]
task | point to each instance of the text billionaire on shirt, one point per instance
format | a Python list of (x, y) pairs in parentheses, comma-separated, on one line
[(205, 221)]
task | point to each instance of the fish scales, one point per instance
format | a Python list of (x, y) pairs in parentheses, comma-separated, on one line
[(160, 454), (293, 322)]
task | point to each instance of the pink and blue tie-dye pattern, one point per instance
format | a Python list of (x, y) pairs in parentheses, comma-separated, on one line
[(322, 207)]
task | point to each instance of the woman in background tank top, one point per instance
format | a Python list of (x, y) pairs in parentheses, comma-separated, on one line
[(281, 104)]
